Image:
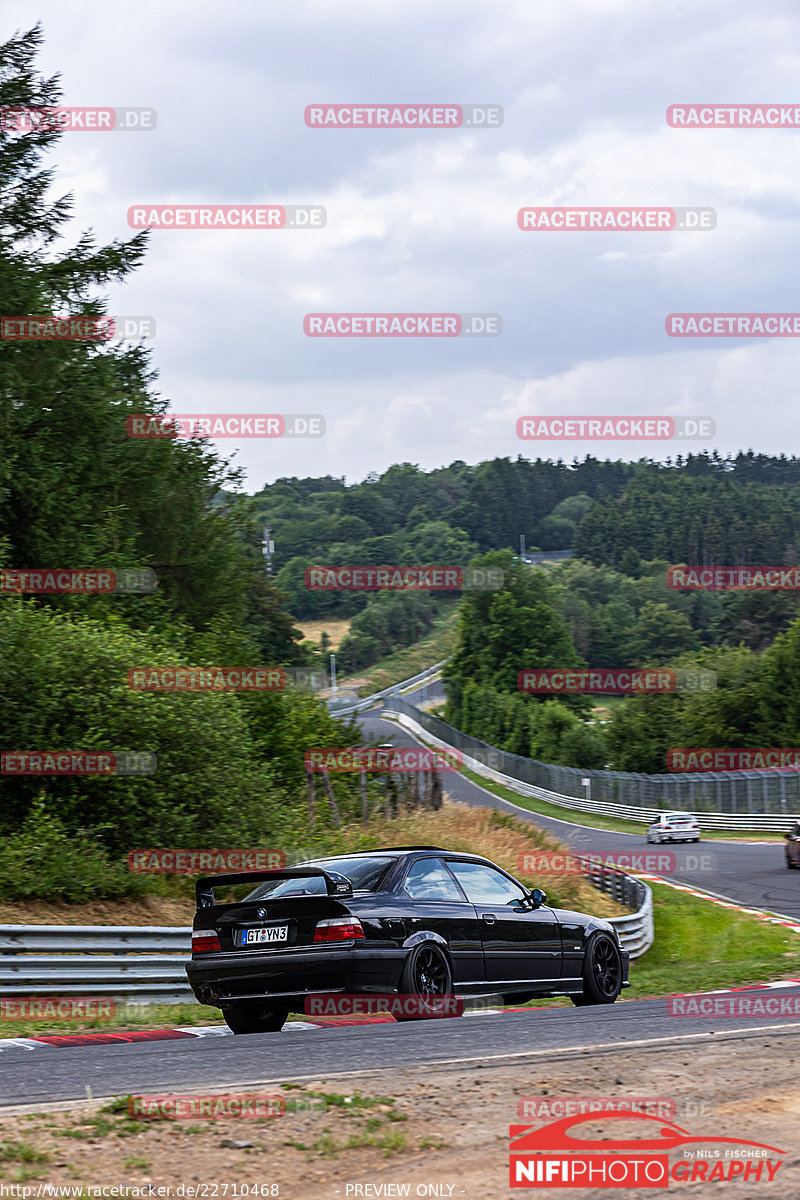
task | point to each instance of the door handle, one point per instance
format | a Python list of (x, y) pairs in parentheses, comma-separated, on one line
[(489, 918)]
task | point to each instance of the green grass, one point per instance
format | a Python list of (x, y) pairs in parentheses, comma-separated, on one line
[(350, 1103), (22, 1152), (700, 946), (612, 824), (438, 644), (127, 1017), (374, 1134)]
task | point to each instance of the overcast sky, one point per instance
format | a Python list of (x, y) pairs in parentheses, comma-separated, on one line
[(425, 220)]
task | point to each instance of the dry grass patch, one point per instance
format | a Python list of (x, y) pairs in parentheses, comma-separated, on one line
[(313, 631), (498, 836), (140, 910)]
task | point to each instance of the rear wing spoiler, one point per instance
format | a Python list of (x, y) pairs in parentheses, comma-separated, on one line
[(336, 884)]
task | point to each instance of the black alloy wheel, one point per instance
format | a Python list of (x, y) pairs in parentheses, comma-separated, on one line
[(426, 975), (602, 972)]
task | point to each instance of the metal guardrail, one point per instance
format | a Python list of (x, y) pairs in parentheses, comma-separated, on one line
[(636, 932), (141, 964), (145, 964), (648, 795), (394, 690)]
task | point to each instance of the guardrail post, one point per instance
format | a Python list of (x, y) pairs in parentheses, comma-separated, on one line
[(311, 797), (334, 807), (364, 799)]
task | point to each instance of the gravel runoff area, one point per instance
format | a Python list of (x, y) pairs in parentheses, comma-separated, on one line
[(439, 1131)]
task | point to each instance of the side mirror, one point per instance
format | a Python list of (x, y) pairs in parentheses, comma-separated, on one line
[(788, 837), (537, 897)]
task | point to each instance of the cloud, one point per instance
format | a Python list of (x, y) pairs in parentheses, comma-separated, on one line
[(426, 220)]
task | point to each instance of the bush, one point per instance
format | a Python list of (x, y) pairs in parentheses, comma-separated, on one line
[(230, 768), (45, 861)]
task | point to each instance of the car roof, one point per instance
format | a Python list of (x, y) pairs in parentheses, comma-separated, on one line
[(398, 852)]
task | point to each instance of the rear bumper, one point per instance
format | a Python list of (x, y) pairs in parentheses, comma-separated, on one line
[(290, 975)]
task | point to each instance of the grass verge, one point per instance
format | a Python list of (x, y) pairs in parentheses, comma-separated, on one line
[(436, 645), (700, 946), (612, 824)]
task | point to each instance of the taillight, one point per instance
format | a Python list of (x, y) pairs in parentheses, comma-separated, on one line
[(204, 940), (338, 929)]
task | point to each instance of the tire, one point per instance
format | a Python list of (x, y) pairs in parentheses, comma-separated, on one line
[(789, 863), (426, 973), (602, 972), (252, 1019)]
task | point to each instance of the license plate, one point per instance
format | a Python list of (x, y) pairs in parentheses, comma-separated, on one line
[(255, 937)]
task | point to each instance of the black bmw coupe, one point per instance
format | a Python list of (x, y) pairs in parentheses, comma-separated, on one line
[(411, 921)]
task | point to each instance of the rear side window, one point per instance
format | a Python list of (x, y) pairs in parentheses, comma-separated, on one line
[(429, 879), (364, 873)]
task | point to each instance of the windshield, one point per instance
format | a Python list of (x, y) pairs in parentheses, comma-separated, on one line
[(363, 873)]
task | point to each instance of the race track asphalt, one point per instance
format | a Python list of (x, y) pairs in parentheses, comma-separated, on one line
[(47, 1073), (747, 873)]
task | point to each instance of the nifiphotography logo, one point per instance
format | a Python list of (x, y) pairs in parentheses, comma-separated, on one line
[(554, 1156)]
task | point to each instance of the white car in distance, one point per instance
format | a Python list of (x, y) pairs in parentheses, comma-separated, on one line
[(674, 827)]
